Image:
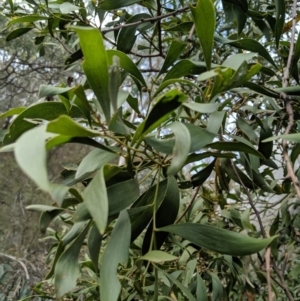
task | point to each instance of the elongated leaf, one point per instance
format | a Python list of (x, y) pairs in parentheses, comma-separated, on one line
[(127, 35), (169, 82), (75, 230), (117, 251), (26, 19), (181, 148), (47, 90), (185, 67), (95, 65), (174, 52), (215, 121), (12, 112), (200, 177), (289, 137), (165, 215), (243, 5), (217, 287), (204, 18), (265, 148), (141, 211), (202, 107), (17, 33), (236, 146), (183, 288), (94, 160), (94, 245), (95, 199), (280, 17), (30, 153), (45, 111), (219, 240), (262, 90), (248, 44), (115, 4), (67, 267), (158, 256), (42, 208), (122, 195), (201, 289)]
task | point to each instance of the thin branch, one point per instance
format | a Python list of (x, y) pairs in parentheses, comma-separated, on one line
[(151, 20), (274, 266), (268, 271), (250, 201), (289, 107), (188, 205), (159, 27)]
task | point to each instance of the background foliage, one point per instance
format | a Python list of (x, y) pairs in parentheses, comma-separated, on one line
[(190, 190)]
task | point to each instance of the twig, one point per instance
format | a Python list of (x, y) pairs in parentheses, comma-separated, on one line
[(188, 205), (19, 261), (152, 20), (250, 201), (159, 28), (268, 271), (289, 107), (274, 266)]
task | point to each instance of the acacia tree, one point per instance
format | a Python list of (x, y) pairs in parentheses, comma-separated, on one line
[(190, 108)]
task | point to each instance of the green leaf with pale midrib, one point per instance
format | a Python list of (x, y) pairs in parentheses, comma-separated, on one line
[(219, 240)]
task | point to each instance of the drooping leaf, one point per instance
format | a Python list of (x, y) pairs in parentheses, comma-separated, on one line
[(96, 201), (201, 289), (200, 177), (204, 18), (127, 35), (250, 45), (243, 5), (165, 105), (141, 211), (122, 195), (17, 33), (116, 251), (95, 65), (165, 215), (265, 148), (280, 18), (75, 230), (94, 245), (183, 288), (218, 239), (67, 267), (30, 154), (181, 148), (236, 146)]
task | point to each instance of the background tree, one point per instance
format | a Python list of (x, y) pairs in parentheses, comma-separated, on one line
[(196, 102)]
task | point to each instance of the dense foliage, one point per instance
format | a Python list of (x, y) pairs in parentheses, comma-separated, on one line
[(191, 191)]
